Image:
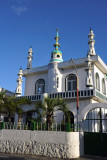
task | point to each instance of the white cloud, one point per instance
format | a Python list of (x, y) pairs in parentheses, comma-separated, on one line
[(19, 10)]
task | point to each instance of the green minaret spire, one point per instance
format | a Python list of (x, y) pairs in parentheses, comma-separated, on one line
[(56, 45), (56, 55)]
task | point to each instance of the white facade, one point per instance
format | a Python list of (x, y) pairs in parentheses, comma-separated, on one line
[(59, 78)]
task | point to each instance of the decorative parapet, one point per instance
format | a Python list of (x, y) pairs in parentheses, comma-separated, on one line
[(73, 94), (64, 95), (68, 95), (36, 97)]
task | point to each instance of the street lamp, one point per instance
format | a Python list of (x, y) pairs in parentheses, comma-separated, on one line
[(77, 92)]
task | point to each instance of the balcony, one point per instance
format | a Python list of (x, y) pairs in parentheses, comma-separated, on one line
[(83, 94), (72, 95), (65, 95), (36, 97)]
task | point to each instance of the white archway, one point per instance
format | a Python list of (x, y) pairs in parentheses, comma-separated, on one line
[(85, 110)]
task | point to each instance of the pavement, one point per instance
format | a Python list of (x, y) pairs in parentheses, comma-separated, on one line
[(33, 157)]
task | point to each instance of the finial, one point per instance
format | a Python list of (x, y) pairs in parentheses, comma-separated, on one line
[(56, 45), (30, 46), (57, 35), (90, 28), (21, 68)]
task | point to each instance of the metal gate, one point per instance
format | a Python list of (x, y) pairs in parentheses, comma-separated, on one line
[(95, 144), (95, 132)]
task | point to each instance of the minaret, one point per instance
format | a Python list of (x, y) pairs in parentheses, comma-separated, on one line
[(19, 83), (91, 42), (54, 73), (89, 80), (56, 55), (30, 57)]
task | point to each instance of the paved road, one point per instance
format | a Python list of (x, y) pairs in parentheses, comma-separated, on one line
[(30, 157)]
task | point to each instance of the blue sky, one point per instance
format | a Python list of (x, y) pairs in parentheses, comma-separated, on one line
[(34, 22)]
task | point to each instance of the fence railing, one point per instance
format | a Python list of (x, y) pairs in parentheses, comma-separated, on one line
[(64, 95), (68, 127), (36, 97), (72, 94)]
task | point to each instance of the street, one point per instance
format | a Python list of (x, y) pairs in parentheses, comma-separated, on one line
[(33, 157)]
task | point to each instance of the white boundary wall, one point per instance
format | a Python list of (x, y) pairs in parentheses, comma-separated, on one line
[(45, 143)]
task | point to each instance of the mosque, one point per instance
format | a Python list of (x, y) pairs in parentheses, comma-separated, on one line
[(82, 83)]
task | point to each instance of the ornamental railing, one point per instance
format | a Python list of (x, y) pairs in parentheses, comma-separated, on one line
[(67, 127), (36, 97), (68, 95), (73, 94), (64, 95)]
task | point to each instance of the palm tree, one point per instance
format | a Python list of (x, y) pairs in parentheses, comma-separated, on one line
[(49, 106), (11, 105), (18, 109), (6, 106)]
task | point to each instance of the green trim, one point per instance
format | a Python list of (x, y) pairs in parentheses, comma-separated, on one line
[(56, 60), (100, 95), (106, 76)]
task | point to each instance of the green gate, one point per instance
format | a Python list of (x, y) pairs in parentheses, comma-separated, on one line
[(95, 143)]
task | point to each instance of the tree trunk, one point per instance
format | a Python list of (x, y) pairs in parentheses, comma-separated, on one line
[(49, 122), (9, 119), (19, 121)]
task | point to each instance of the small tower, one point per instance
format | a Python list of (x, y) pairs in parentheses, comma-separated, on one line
[(30, 57), (91, 42), (56, 55), (54, 73), (19, 83), (89, 80)]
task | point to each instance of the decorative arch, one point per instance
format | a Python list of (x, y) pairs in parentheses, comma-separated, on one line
[(103, 86), (90, 107), (97, 81), (71, 117), (40, 86), (71, 82), (96, 120)]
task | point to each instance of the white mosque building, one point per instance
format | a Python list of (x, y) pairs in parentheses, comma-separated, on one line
[(84, 79)]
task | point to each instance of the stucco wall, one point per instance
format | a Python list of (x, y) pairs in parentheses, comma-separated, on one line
[(73, 107), (53, 74), (81, 75), (46, 143), (50, 79), (101, 75), (31, 80)]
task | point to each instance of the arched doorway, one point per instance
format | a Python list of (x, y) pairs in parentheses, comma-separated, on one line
[(96, 120), (69, 118)]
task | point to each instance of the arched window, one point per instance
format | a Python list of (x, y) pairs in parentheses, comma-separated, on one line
[(103, 86), (97, 81), (71, 82), (40, 86)]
